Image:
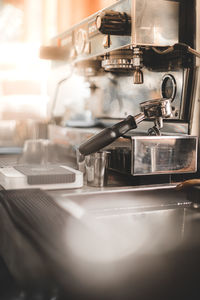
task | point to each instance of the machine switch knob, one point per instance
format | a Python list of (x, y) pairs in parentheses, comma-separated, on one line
[(113, 23)]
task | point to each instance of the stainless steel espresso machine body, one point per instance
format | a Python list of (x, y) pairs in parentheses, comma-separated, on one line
[(106, 66)]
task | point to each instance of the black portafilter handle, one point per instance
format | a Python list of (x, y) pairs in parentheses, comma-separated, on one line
[(107, 136), (155, 109)]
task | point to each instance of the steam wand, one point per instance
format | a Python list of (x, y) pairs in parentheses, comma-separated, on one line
[(153, 109)]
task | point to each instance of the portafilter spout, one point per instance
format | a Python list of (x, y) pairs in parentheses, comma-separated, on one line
[(153, 109)]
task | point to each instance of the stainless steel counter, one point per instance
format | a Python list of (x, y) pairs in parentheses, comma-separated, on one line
[(129, 194), (128, 241)]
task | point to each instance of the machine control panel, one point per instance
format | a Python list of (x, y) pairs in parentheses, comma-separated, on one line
[(125, 23), (87, 39)]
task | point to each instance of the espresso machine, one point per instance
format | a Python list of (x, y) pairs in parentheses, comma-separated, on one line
[(124, 92), (130, 69)]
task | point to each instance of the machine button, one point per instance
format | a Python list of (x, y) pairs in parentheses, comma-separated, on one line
[(113, 23), (80, 41), (107, 42), (87, 49)]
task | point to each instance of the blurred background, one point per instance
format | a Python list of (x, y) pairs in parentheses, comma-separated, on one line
[(25, 25)]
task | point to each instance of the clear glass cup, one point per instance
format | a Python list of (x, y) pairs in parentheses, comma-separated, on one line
[(38, 151)]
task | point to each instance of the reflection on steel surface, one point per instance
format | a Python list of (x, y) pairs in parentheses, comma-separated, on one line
[(156, 22), (155, 155)]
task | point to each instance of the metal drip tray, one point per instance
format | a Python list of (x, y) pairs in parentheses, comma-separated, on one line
[(151, 155), (152, 222)]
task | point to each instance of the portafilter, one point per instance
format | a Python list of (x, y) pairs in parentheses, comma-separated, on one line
[(156, 110)]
